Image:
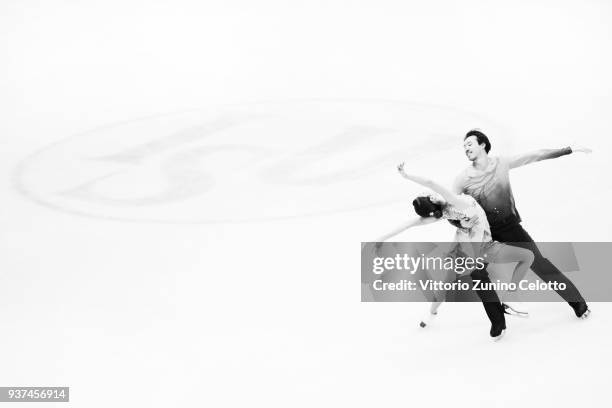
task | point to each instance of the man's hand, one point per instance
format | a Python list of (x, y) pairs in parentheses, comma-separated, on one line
[(581, 149)]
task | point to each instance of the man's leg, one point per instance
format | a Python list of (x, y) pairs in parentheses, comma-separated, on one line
[(491, 303), (542, 266)]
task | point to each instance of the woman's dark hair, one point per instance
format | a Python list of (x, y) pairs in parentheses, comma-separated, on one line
[(480, 137), (424, 207)]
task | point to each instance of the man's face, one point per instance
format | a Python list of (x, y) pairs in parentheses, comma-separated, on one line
[(472, 148)]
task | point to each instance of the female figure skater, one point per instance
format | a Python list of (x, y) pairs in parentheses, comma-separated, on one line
[(474, 229)]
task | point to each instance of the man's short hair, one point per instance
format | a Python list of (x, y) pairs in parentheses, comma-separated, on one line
[(480, 137)]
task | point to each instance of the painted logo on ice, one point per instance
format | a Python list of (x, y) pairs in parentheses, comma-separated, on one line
[(240, 163)]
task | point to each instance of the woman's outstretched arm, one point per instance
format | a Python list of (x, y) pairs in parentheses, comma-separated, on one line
[(448, 195), (403, 227)]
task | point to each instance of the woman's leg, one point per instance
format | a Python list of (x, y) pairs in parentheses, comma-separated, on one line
[(509, 254), (439, 297), (524, 258)]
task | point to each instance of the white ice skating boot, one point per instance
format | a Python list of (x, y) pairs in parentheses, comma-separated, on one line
[(428, 319), (513, 306), (431, 314)]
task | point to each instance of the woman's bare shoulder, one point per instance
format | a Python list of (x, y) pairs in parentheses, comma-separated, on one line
[(466, 200)]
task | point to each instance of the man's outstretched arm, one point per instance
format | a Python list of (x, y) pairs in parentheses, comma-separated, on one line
[(543, 154)]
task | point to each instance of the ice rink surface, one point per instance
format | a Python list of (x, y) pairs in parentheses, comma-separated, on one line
[(185, 186)]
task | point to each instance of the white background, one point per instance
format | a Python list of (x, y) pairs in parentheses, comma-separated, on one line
[(267, 313)]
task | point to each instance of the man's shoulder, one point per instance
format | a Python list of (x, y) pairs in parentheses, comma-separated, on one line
[(466, 170), (462, 175), (462, 180), (494, 161)]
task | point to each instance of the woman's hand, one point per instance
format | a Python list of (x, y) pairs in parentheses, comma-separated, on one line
[(400, 167), (377, 248)]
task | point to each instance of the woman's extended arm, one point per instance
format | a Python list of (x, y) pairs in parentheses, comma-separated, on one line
[(412, 223), (448, 195)]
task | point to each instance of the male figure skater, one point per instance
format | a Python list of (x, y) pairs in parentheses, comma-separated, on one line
[(487, 180)]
